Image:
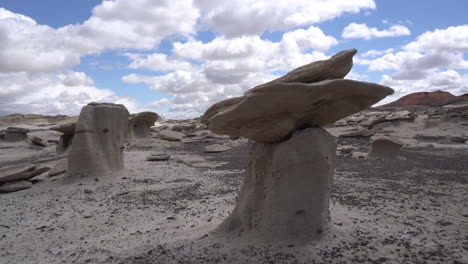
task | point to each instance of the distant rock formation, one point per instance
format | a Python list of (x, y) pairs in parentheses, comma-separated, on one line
[(16, 134), (99, 139), (286, 190), (139, 125), (427, 98), (34, 119)]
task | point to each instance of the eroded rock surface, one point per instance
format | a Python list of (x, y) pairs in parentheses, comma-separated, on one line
[(139, 126)]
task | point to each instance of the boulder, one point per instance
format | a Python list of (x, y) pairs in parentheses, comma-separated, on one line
[(99, 140), (286, 190), (384, 148), (16, 134), (171, 135), (15, 186), (59, 168), (273, 113), (38, 141), (21, 172), (215, 148), (158, 157), (139, 125)]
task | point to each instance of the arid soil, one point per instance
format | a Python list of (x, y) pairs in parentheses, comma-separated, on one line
[(410, 210)]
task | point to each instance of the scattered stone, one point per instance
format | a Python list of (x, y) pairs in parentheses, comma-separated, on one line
[(59, 168), (158, 157), (16, 134), (385, 148), (38, 141), (215, 148), (171, 135), (15, 186), (291, 201), (139, 125), (99, 140)]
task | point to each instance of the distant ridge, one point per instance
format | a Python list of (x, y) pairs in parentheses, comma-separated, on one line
[(427, 98)]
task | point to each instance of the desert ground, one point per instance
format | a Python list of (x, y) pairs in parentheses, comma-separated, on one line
[(412, 209)]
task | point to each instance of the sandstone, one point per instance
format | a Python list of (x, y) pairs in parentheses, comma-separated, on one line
[(216, 148), (273, 113), (21, 172), (286, 190), (15, 186), (385, 148), (99, 140), (158, 157), (67, 128), (59, 168), (139, 125), (171, 135)]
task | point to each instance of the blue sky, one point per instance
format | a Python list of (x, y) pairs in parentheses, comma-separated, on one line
[(179, 57)]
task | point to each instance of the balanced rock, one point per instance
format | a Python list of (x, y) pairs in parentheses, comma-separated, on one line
[(16, 134), (99, 140), (216, 148), (21, 172), (171, 135), (384, 148), (274, 112), (38, 141), (286, 189), (66, 128), (139, 125), (15, 186)]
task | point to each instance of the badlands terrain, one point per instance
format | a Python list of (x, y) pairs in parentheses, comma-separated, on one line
[(407, 210)]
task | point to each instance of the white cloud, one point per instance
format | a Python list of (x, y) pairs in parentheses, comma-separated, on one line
[(157, 62), (451, 39), (160, 103), (77, 79), (355, 30), (253, 17)]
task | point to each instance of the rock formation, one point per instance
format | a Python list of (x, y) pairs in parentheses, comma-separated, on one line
[(384, 148), (15, 178), (38, 141), (286, 190), (16, 134), (99, 140), (65, 140), (139, 125)]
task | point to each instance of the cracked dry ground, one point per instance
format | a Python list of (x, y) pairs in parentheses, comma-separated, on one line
[(402, 211)]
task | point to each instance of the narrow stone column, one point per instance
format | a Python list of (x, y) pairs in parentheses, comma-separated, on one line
[(98, 141), (286, 190)]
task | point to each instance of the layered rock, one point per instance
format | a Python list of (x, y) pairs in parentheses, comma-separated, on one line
[(16, 134), (99, 139), (139, 125), (286, 189), (21, 172)]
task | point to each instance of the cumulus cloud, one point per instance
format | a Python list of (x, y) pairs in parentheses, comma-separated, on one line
[(157, 62), (253, 17), (355, 30), (77, 79), (451, 39)]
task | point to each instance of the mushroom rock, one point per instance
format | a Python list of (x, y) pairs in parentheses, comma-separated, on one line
[(274, 112), (16, 134), (286, 189), (139, 126), (98, 142), (384, 148), (65, 140)]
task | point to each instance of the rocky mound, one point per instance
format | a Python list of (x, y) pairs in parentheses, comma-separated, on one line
[(34, 119), (427, 98)]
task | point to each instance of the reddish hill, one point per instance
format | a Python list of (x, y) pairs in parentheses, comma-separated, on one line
[(427, 98)]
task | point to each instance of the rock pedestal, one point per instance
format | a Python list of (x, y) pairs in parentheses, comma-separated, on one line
[(66, 139), (286, 189), (98, 141), (139, 126)]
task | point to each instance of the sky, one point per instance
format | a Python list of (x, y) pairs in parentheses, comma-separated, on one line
[(178, 57)]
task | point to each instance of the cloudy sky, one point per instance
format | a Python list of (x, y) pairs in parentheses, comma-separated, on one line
[(177, 57)]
